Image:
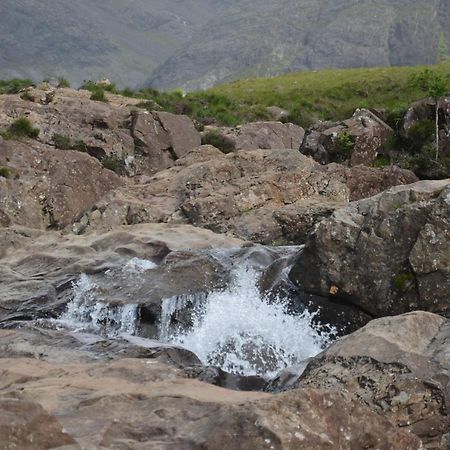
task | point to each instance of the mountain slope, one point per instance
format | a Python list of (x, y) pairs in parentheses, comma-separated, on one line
[(289, 35), (121, 40)]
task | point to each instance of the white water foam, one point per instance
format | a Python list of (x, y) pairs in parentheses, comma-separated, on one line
[(242, 332), (88, 312)]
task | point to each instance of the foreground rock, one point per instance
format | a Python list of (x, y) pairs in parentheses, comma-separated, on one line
[(116, 130), (399, 367), (142, 402), (385, 255), (49, 188), (268, 196)]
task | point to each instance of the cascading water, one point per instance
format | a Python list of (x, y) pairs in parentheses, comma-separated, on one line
[(87, 312), (242, 332)]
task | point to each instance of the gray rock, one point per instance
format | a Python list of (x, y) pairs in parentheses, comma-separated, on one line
[(386, 255)]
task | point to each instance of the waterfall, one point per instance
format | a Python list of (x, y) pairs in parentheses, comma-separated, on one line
[(243, 332), (88, 312)]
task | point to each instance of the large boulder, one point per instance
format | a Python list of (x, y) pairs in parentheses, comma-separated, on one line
[(357, 140), (163, 138), (115, 131), (255, 194), (399, 368), (49, 188), (385, 255), (264, 135)]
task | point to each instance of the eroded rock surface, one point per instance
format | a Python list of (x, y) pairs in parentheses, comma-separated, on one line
[(39, 272), (137, 142), (263, 135), (255, 194), (142, 402), (49, 188), (358, 139), (386, 255), (399, 367)]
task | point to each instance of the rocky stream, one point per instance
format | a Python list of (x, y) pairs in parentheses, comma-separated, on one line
[(254, 300)]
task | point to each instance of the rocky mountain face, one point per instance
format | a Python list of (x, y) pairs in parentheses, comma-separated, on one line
[(285, 35), (123, 41), (197, 43)]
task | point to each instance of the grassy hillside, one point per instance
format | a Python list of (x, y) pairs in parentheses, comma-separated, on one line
[(307, 96)]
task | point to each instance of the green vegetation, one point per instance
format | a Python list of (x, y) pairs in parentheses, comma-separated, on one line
[(434, 85), (217, 140), (403, 280), (21, 128), (27, 96), (63, 83), (99, 95), (62, 141), (114, 164), (14, 85), (5, 172), (344, 146)]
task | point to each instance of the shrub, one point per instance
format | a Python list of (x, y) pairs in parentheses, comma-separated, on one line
[(27, 96), (63, 83), (5, 172), (382, 161), (62, 142), (114, 164), (79, 146), (344, 146), (217, 140), (127, 92), (99, 95), (23, 128)]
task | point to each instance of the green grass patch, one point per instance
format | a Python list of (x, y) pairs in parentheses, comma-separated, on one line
[(14, 85), (61, 141), (21, 128), (5, 172)]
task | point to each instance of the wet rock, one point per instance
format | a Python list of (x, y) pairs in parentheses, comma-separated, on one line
[(51, 187), (385, 255), (396, 366), (39, 273)]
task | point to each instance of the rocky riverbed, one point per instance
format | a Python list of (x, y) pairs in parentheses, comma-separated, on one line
[(201, 300)]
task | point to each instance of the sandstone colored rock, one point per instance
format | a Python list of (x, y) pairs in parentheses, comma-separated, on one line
[(253, 194), (386, 255), (398, 367), (104, 400), (26, 425), (140, 143), (163, 138), (358, 139), (263, 135), (50, 265), (49, 188)]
